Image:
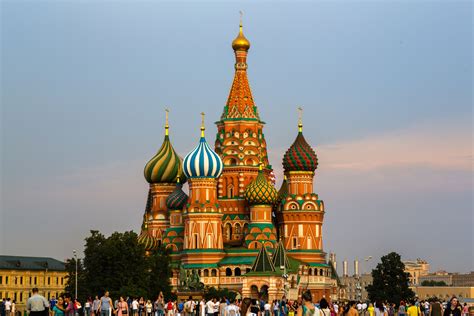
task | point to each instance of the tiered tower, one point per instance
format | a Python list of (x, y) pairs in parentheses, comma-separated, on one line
[(301, 213), (239, 141), (161, 172), (261, 195), (203, 241)]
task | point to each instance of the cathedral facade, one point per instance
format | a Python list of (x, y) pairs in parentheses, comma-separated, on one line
[(235, 230)]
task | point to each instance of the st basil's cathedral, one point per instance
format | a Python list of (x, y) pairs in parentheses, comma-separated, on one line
[(235, 230)]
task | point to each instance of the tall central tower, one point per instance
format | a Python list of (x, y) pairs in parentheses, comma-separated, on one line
[(240, 143)]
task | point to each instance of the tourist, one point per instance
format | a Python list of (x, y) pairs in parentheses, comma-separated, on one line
[(402, 310), (380, 309), (465, 310), (276, 308), (232, 309), (210, 307), (202, 307), (160, 305), (88, 307), (70, 307), (135, 307), (8, 307), (222, 306), (95, 306), (413, 310), (170, 308), (323, 308), (105, 305), (436, 309), (148, 308), (2, 307), (267, 308), (141, 306), (189, 307), (307, 307), (36, 304), (58, 309), (453, 308), (350, 309), (77, 307), (371, 309), (13, 308), (245, 307), (122, 307)]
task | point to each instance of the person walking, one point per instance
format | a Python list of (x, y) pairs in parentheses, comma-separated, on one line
[(159, 305), (8, 307), (465, 310), (324, 309), (189, 307), (231, 309), (58, 309), (105, 305), (95, 306), (148, 308), (380, 309), (307, 307), (37, 305), (453, 308), (122, 307), (402, 310)]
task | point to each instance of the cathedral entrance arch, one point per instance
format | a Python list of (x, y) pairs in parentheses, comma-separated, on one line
[(254, 292)]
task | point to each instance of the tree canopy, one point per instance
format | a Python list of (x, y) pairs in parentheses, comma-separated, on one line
[(390, 281), (118, 264)]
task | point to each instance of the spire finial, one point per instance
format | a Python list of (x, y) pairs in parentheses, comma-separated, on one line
[(300, 119), (178, 179), (203, 128), (166, 121), (241, 17)]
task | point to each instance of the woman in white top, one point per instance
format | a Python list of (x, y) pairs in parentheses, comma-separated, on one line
[(324, 308)]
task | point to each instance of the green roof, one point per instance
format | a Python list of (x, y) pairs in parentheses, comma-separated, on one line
[(280, 258), (241, 260), (200, 265), (317, 264), (263, 263), (30, 263)]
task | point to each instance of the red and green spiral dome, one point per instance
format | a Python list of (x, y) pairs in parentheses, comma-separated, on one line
[(300, 156)]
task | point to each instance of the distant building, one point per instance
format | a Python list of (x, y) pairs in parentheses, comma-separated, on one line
[(416, 269), (466, 279), (439, 276), (354, 286), (18, 275), (444, 292)]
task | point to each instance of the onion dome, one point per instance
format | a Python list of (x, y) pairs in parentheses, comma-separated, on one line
[(202, 162), (177, 199), (300, 156), (241, 42), (260, 192), (166, 166), (149, 242)]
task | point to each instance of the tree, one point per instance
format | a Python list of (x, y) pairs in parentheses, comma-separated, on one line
[(390, 281), (118, 264), (433, 283), (159, 273)]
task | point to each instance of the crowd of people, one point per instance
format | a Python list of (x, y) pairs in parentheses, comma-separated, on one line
[(64, 305)]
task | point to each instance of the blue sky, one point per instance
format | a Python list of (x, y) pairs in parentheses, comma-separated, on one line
[(386, 88)]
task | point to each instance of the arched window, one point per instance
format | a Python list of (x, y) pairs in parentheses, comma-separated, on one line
[(321, 272), (228, 272), (310, 271), (230, 191), (237, 229), (213, 272), (228, 231), (237, 272), (196, 241), (206, 272), (232, 162)]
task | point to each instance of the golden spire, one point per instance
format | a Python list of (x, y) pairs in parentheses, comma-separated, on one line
[(203, 128), (166, 122), (300, 119), (240, 42)]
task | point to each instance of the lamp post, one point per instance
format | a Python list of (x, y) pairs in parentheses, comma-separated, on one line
[(366, 261), (75, 259)]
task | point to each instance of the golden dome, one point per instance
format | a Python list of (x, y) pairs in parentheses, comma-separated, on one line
[(241, 42)]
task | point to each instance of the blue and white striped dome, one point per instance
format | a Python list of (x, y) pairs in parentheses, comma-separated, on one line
[(202, 162)]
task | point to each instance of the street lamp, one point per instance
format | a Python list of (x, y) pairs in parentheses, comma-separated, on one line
[(75, 259), (366, 261)]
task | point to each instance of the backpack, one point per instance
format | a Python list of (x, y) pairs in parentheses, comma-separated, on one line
[(180, 307), (169, 306)]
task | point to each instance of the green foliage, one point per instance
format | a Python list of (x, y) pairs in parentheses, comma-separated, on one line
[(390, 282), (212, 292), (433, 283), (119, 265)]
